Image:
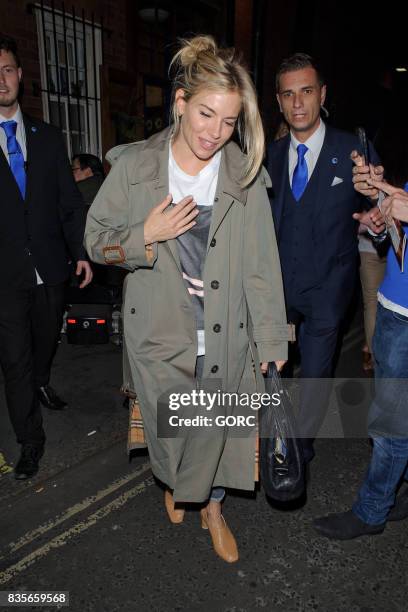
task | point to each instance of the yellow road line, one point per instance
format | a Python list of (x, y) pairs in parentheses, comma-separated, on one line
[(75, 530), (76, 508), (4, 468)]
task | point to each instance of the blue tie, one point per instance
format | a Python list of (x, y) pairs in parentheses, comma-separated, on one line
[(299, 180), (15, 155)]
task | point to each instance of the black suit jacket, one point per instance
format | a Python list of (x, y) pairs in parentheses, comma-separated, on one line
[(335, 251), (45, 230)]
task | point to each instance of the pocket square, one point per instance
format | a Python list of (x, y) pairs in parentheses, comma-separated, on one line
[(336, 181)]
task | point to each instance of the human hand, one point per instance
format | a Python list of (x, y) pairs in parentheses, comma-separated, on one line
[(161, 225), (373, 219), (84, 267), (396, 204), (361, 172), (279, 366)]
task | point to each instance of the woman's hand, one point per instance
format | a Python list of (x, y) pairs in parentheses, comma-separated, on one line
[(279, 366), (396, 204), (161, 225)]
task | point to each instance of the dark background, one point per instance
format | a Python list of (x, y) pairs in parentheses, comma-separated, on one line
[(358, 46)]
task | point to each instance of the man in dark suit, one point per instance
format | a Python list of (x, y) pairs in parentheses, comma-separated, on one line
[(315, 210), (41, 214)]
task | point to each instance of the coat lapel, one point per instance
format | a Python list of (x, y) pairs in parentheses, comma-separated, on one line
[(155, 174), (156, 170), (228, 189)]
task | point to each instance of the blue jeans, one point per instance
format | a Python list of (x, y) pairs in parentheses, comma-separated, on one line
[(389, 462)]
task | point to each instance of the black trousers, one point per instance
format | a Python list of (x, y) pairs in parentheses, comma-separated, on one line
[(317, 339), (30, 324)]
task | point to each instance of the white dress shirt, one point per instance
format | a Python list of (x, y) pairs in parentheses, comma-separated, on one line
[(21, 139), (314, 146)]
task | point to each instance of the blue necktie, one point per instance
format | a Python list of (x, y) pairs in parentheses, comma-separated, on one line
[(299, 180), (15, 155)]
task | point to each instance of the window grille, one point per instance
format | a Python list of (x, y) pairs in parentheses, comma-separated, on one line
[(70, 55)]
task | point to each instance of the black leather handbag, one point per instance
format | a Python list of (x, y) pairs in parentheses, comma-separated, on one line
[(281, 456)]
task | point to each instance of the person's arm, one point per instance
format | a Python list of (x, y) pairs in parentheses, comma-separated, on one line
[(72, 213), (262, 278), (111, 238)]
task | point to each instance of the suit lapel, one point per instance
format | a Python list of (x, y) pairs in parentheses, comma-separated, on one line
[(279, 174), (278, 170), (326, 167), (34, 154)]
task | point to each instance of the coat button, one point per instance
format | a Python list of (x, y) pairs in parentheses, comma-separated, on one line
[(213, 242), (214, 369), (241, 325), (215, 284), (132, 310), (215, 199), (217, 328)]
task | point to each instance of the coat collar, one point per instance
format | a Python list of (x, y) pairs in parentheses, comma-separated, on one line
[(155, 167)]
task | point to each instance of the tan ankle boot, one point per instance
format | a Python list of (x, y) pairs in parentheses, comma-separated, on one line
[(175, 516), (223, 541)]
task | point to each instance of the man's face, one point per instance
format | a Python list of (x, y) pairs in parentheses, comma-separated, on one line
[(300, 97), (10, 77), (79, 174)]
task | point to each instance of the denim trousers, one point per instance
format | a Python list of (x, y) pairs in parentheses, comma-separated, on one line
[(389, 411), (217, 493)]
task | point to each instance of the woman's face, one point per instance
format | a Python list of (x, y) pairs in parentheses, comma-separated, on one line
[(208, 121)]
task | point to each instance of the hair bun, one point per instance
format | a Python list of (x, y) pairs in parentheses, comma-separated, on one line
[(192, 49)]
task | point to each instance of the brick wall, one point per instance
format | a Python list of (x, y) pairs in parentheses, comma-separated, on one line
[(18, 23)]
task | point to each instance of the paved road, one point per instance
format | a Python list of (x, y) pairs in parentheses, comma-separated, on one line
[(93, 524)]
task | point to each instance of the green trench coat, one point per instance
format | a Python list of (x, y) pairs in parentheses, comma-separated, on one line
[(159, 321)]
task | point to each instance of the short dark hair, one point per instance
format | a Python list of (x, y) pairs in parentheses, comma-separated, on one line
[(86, 160), (297, 61), (9, 44)]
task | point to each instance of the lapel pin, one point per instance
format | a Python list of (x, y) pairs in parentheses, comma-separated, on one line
[(334, 161), (33, 129)]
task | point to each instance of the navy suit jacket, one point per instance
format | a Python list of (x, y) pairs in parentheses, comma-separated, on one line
[(45, 230), (335, 245)]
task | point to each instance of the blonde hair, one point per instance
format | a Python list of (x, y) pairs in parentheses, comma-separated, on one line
[(200, 64)]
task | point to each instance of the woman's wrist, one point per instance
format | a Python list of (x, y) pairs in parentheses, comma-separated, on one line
[(148, 239)]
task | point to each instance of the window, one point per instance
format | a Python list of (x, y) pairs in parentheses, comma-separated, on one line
[(70, 56)]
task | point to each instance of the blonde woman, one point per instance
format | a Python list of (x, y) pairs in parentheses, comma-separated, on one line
[(187, 213)]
